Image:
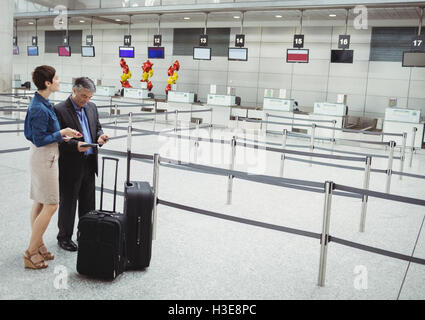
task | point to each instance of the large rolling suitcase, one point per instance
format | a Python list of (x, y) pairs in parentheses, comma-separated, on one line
[(138, 206), (101, 239)]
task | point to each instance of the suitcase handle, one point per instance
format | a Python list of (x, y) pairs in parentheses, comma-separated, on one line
[(129, 130), (115, 186)]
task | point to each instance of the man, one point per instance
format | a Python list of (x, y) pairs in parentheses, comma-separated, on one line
[(77, 164)]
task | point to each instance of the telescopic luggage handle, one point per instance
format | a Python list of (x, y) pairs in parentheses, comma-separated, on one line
[(129, 130), (115, 185)]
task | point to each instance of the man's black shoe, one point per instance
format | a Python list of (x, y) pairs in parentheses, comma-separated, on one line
[(68, 245)]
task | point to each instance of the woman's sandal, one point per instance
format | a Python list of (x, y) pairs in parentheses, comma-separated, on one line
[(45, 254), (34, 261)]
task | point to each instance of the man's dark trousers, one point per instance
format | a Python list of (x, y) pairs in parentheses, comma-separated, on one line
[(79, 186)]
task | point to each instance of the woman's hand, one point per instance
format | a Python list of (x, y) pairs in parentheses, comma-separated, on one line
[(69, 133)]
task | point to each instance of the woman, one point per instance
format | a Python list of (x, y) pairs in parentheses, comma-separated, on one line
[(43, 130)]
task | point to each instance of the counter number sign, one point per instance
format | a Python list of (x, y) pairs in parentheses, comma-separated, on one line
[(344, 42), (299, 41)]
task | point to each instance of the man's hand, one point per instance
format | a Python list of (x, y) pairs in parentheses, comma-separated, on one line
[(103, 139), (80, 148)]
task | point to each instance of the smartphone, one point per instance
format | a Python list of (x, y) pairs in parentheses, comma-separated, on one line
[(93, 145)]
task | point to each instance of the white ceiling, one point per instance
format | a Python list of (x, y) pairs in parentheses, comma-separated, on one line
[(250, 17)]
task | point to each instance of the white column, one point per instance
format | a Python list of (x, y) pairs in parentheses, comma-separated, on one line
[(6, 47)]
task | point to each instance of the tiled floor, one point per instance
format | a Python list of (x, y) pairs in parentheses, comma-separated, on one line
[(200, 257)]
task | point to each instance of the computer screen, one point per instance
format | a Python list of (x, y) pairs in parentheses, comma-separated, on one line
[(297, 55), (87, 51), (64, 51), (126, 52), (15, 50), (342, 56), (201, 53), (155, 52), (238, 54), (32, 51), (414, 59)]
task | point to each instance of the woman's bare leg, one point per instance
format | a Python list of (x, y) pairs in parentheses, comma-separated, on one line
[(40, 225)]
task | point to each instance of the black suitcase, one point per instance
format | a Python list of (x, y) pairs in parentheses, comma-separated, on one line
[(101, 239), (138, 205)]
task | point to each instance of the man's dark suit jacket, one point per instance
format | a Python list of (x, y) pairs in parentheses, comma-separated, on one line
[(70, 158)]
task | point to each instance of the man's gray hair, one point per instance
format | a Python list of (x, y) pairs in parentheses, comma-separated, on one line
[(84, 83)]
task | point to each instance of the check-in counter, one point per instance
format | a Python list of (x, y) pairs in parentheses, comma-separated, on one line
[(221, 105), (332, 112), (181, 101), (278, 107), (239, 114), (399, 120)]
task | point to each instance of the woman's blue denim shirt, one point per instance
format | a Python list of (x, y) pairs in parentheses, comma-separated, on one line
[(41, 124)]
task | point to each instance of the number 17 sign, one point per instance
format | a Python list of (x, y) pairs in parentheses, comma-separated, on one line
[(418, 43)]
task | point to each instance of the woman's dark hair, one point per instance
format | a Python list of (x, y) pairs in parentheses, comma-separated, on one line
[(42, 74)]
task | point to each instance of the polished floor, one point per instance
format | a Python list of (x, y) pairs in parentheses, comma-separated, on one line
[(201, 257)]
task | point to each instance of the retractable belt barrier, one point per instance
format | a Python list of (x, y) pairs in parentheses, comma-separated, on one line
[(329, 188), (299, 119)]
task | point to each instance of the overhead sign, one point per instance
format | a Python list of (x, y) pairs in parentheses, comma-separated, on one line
[(344, 42), (89, 40), (240, 40), (297, 55), (127, 40), (203, 40), (418, 43), (157, 39), (298, 41)]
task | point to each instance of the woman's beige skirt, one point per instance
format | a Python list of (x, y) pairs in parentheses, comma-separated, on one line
[(44, 173)]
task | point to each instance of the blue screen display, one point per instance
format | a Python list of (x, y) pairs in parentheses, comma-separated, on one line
[(32, 51), (126, 52), (155, 52)]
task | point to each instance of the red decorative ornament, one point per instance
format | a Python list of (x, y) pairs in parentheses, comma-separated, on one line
[(172, 75), (126, 74), (147, 73), (176, 65)]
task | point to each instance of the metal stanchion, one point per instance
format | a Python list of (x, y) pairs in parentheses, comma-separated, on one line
[(282, 157), (365, 198), (155, 193), (329, 186), (116, 114), (313, 129), (267, 120), (196, 141), (412, 145), (402, 154), (18, 117), (231, 167), (175, 120), (390, 167), (211, 117), (333, 136)]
